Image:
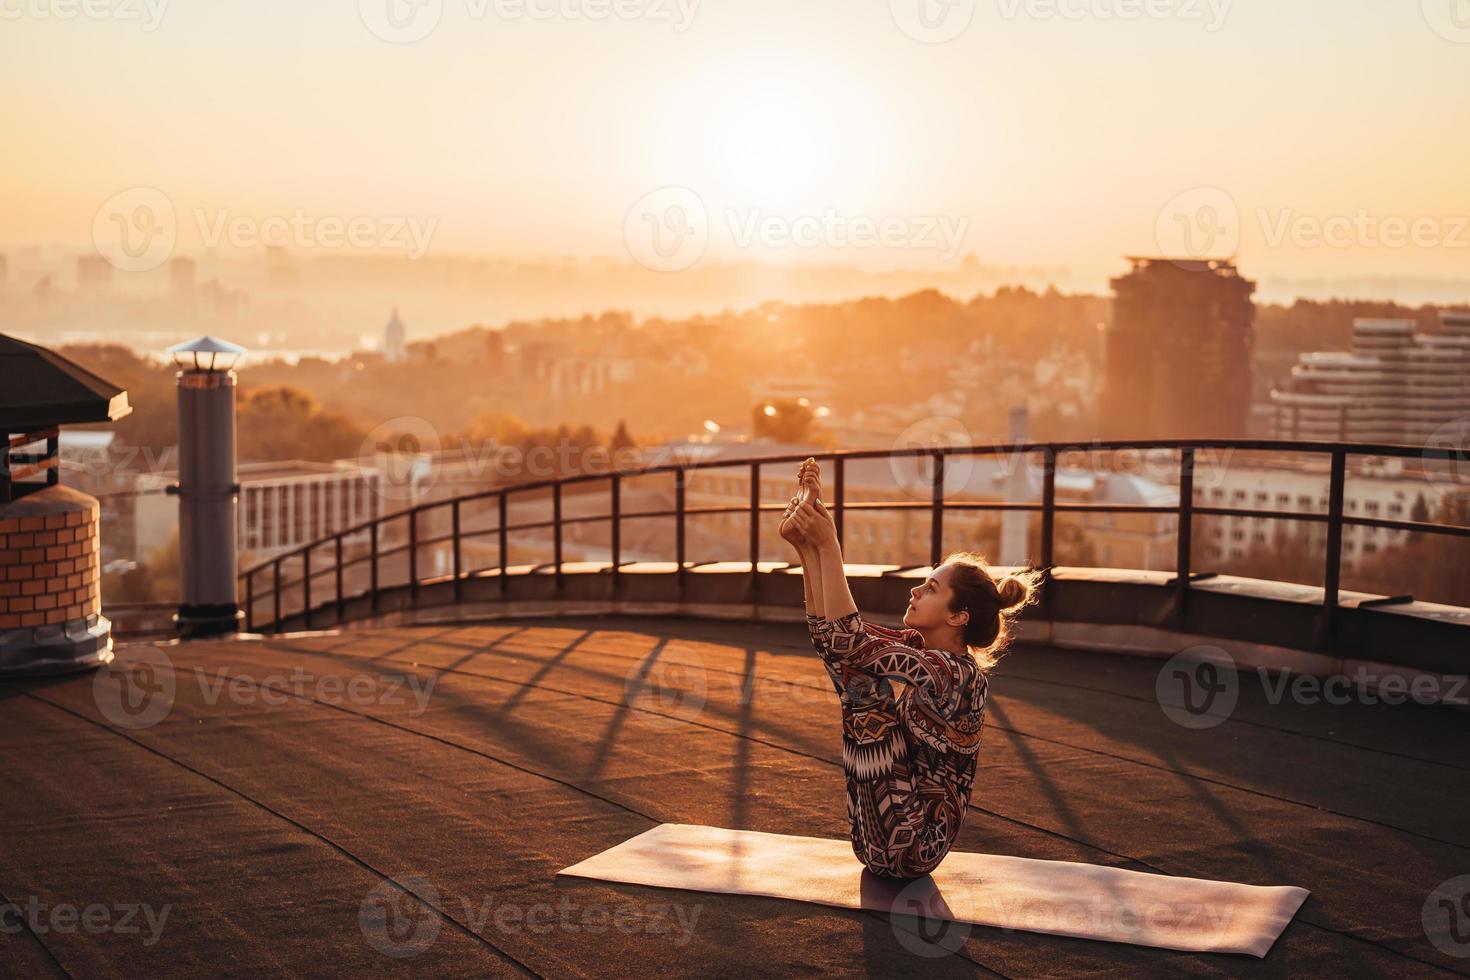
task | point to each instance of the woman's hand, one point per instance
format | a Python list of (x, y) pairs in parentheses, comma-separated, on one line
[(813, 525)]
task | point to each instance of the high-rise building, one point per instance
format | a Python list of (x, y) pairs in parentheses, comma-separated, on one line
[(394, 338), (1394, 386), (93, 272), (1178, 351)]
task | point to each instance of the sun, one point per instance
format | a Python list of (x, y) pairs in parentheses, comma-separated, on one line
[(781, 131)]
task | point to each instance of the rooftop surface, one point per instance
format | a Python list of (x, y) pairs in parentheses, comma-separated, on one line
[(243, 818)]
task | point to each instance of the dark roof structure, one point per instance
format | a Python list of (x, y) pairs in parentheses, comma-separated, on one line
[(40, 388), (397, 801)]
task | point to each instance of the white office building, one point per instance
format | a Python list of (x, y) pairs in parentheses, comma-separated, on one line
[(1394, 386)]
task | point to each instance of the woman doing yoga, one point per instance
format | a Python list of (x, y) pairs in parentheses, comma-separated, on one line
[(909, 759)]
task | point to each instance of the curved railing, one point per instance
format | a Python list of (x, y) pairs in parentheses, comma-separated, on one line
[(1335, 453)]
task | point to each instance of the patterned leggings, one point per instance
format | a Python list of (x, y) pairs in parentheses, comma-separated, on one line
[(899, 830)]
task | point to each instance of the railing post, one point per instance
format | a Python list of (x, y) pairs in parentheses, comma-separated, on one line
[(306, 586), (1048, 522), (249, 595), (373, 563), (1333, 575), (556, 533), (276, 622), (839, 472), (341, 602), (1185, 535), (755, 518), (503, 537), (454, 521), (413, 556), (617, 529), (679, 525), (936, 530)]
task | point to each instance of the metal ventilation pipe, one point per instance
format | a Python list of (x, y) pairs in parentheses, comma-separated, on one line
[(208, 491)]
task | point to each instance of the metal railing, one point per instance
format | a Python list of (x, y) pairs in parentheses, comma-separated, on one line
[(1336, 454)]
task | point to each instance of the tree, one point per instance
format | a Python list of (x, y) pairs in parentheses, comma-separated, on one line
[(621, 440), (284, 422)]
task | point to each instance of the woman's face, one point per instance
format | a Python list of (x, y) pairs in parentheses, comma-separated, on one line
[(929, 602)]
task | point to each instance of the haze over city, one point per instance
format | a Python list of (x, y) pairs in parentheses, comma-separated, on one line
[(818, 151)]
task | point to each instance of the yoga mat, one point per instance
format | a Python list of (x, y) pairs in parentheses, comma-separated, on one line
[(1063, 898)]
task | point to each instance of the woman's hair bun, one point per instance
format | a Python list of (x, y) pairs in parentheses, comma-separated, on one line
[(1014, 593)]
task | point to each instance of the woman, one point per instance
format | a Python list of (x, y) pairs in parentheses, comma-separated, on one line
[(909, 759)]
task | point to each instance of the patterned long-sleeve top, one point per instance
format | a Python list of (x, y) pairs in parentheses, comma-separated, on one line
[(909, 760)]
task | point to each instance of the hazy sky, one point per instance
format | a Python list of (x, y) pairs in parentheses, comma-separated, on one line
[(1048, 133)]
